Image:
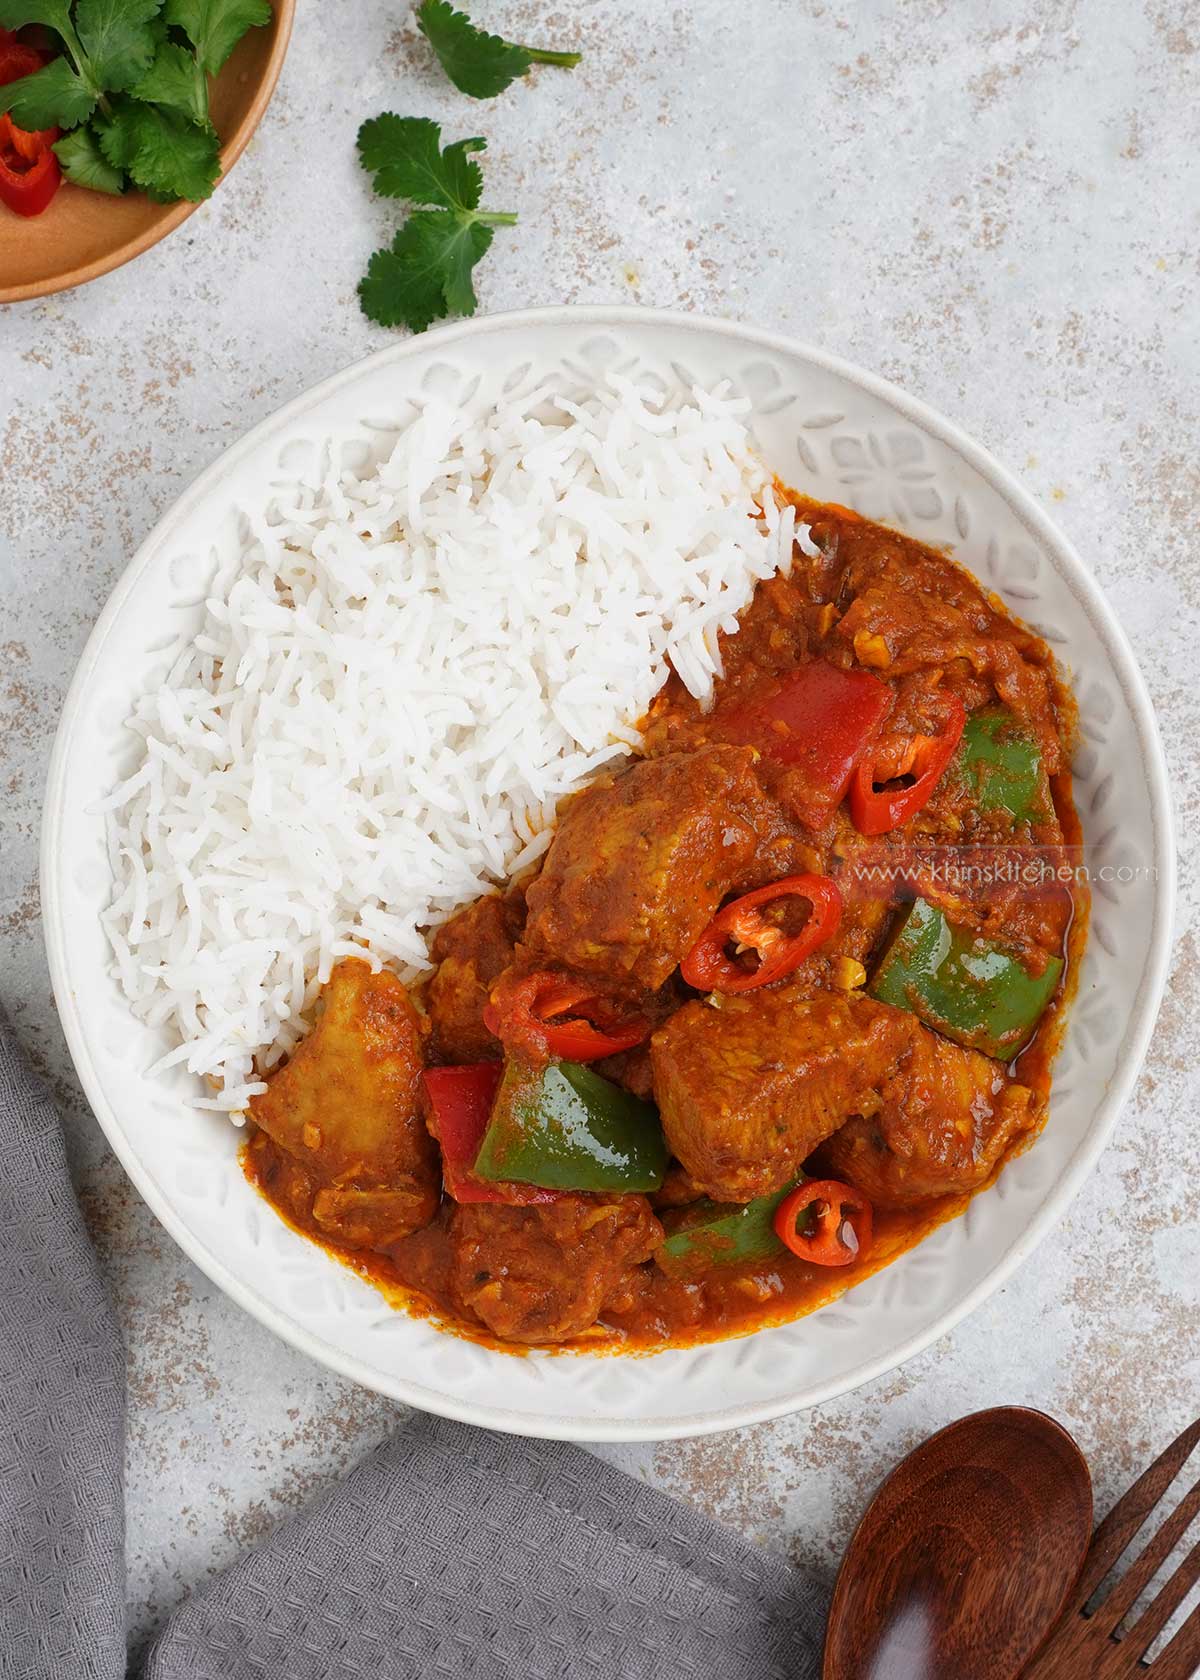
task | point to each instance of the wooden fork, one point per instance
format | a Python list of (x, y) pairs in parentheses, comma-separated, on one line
[(1093, 1647)]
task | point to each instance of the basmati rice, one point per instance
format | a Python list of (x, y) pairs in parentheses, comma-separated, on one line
[(397, 678)]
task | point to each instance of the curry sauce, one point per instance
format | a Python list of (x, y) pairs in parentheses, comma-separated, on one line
[(865, 600)]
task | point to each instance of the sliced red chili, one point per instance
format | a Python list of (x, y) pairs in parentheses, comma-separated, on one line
[(878, 808), (838, 1221), (29, 171), (549, 1014), (459, 1104), (709, 967)]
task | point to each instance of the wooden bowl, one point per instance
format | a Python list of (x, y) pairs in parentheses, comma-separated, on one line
[(84, 234)]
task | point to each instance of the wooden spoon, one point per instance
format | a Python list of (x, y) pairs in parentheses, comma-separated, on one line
[(966, 1556)]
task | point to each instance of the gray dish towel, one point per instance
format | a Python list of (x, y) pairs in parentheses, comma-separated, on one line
[(450, 1552)]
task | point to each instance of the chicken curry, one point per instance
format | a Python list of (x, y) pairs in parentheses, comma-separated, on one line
[(783, 994)]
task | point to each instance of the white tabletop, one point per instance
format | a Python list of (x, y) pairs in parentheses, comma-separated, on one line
[(996, 206)]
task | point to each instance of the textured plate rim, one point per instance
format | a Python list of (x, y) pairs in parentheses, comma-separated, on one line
[(1133, 1049)]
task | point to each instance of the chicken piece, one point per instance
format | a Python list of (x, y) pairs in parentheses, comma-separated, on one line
[(288, 1184), (748, 1091), (944, 1124), (640, 864), (676, 1190), (471, 950), (345, 1109), (747, 1094), (913, 611), (366, 1217), (631, 1070), (544, 1273)]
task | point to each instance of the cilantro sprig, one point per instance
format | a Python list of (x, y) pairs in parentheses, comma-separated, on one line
[(479, 64), (131, 86), (426, 272)]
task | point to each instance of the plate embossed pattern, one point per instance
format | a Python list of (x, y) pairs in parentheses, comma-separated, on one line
[(841, 435)]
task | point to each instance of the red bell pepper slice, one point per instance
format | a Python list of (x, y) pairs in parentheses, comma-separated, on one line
[(816, 722), (459, 1105), (879, 809), (839, 1217), (546, 1014), (709, 967), (29, 171), (16, 59)]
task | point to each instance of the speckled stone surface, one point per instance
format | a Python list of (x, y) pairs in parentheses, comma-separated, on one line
[(994, 204)]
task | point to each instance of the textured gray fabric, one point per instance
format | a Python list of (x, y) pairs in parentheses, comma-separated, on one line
[(62, 1410), (450, 1552)]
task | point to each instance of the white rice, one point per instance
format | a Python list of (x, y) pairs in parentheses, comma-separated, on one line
[(399, 676)]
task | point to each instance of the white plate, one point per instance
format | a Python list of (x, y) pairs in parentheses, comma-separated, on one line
[(831, 430)]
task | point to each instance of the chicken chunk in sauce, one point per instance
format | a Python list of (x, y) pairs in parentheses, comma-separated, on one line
[(945, 1121), (345, 1112), (748, 1090), (640, 863), (545, 1274), (748, 1093), (471, 952)]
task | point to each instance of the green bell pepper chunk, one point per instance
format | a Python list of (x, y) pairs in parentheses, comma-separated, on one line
[(723, 1234), (966, 987), (999, 762), (564, 1127)]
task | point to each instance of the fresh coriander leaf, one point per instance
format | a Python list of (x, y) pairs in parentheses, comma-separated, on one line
[(399, 290), (118, 132), (442, 247), (171, 156), (175, 79), (405, 157), (84, 163), (56, 15), (214, 27), (455, 249), (479, 64), (53, 97), (14, 14), (118, 38), (426, 271), (167, 156)]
